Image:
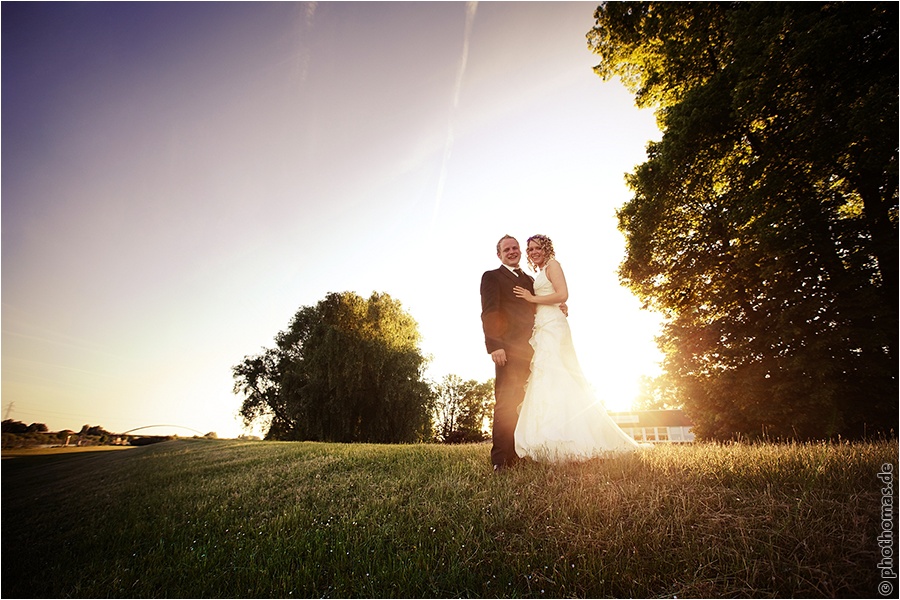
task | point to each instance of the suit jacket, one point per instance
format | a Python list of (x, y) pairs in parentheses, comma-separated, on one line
[(507, 320)]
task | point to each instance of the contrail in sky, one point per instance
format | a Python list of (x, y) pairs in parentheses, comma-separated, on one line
[(471, 7), (303, 55)]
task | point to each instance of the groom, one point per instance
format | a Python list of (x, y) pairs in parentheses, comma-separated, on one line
[(508, 322)]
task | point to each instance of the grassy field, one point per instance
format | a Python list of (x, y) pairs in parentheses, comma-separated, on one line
[(219, 518)]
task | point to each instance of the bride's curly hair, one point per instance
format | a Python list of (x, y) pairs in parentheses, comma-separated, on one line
[(545, 244)]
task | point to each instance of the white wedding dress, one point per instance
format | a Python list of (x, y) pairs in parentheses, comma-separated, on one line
[(561, 419)]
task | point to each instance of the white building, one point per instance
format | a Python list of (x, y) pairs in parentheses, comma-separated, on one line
[(655, 426)]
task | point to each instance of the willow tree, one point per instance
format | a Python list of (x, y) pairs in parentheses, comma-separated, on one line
[(763, 225), (346, 370)]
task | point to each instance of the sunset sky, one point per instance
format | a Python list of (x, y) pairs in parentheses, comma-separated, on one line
[(179, 178)]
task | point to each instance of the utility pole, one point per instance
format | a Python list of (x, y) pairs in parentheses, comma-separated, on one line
[(8, 409)]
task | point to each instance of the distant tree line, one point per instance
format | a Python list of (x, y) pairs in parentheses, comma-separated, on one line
[(19, 435), (349, 369), (16, 434), (763, 225), (11, 426)]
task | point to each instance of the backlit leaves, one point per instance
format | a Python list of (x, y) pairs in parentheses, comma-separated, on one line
[(764, 223)]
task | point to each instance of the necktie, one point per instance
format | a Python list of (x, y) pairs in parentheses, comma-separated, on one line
[(518, 272)]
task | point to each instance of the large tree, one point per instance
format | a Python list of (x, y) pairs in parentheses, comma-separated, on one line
[(346, 370), (763, 225)]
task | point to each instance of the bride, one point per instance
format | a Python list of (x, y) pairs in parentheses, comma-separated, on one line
[(560, 419)]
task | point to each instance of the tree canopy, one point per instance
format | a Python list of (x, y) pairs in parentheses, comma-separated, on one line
[(763, 225), (346, 370), (462, 409), (12, 426)]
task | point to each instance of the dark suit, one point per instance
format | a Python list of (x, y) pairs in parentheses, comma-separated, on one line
[(508, 322)]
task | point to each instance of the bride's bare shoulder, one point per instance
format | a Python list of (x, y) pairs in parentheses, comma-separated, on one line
[(553, 264)]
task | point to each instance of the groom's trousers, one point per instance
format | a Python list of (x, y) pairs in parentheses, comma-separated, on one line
[(509, 391)]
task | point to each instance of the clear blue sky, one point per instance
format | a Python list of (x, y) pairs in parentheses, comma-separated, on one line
[(179, 178)]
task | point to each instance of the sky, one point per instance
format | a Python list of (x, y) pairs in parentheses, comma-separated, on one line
[(178, 179)]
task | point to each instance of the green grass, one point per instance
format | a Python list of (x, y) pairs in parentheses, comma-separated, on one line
[(206, 518)]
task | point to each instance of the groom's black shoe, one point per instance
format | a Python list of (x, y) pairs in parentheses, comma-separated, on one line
[(499, 468)]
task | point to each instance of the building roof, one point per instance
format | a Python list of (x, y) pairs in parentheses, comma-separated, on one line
[(652, 418)]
